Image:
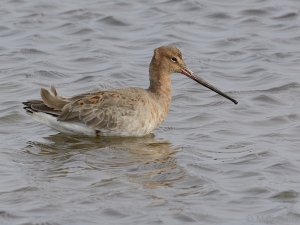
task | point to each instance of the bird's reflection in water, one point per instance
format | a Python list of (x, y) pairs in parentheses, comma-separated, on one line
[(147, 161)]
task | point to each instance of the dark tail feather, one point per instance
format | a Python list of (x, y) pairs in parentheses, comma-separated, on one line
[(28, 109), (51, 103), (28, 105), (32, 106)]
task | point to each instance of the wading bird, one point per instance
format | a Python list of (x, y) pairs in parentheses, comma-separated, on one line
[(118, 112)]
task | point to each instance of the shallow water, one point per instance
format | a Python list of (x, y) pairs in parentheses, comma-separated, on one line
[(211, 162)]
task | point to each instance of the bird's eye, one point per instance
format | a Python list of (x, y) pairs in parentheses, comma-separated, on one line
[(174, 59)]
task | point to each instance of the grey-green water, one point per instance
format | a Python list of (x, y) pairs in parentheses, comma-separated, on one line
[(211, 162)]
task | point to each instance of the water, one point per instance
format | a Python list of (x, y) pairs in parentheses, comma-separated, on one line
[(211, 162)]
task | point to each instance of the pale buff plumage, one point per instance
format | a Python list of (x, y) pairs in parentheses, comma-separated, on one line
[(117, 112)]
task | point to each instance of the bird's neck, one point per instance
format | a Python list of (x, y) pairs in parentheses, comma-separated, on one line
[(160, 87), (160, 83)]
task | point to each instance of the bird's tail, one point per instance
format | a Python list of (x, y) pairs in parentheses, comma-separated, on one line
[(51, 103)]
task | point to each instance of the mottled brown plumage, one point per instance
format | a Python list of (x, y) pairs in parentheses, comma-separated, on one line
[(117, 112)]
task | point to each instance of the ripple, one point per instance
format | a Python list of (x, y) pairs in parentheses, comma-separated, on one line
[(73, 11), (83, 31), (111, 20), (255, 12), (33, 15), (4, 28), (48, 74), (7, 215), (182, 217), (219, 15), (32, 51), (253, 70), (113, 213), (11, 118), (267, 99), (290, 15), (286, 195), (210, 162), (284, 87), (41, 223)]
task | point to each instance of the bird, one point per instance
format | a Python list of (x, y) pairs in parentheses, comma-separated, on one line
[(121, 112)]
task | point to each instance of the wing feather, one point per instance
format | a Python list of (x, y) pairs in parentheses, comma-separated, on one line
[(100, 110)]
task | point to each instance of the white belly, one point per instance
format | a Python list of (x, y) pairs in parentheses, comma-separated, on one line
[(132, 127)]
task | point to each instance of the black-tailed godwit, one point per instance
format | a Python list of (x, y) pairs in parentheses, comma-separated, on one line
[(119, 112)]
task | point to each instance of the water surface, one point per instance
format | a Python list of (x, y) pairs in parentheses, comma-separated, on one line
[(211, 162)]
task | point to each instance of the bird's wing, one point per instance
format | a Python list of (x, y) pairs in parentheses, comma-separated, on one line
[(100, 110)]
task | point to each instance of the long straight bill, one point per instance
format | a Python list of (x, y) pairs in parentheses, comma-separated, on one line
[(190, 74)]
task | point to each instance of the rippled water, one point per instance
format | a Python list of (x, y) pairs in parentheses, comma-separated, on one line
[(211, 162)]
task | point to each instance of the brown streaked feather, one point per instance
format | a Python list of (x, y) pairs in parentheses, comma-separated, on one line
[(100, 110)]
